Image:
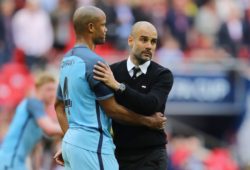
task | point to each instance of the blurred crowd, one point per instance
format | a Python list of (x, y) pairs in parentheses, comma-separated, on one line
[(193, 29), (34, 34)]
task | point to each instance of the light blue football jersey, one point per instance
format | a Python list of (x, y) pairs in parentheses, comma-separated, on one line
[(89, 126), (23, 134)]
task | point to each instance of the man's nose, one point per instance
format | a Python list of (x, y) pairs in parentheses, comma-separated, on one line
[(149, 46)]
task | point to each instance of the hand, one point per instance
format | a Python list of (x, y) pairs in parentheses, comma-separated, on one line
[(157, 121), (58, 158), (102, 72)]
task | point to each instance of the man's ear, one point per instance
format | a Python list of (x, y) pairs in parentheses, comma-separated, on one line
[(91, 27), (130, 41)]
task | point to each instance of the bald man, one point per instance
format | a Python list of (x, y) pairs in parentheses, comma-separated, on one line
[(84, 105), (142, 86)]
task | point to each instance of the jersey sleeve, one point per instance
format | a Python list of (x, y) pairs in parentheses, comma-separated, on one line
[(101, 91), (36, 108), (59, 93)]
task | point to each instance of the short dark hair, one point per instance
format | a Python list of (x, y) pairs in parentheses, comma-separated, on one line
[(83, 16)]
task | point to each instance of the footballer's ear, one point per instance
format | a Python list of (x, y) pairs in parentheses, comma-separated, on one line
[(130, 41), (91, 27)]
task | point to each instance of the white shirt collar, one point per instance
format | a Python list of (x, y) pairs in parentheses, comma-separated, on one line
[(143, 67)]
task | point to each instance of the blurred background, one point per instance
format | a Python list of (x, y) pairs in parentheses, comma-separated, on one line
[(205, 43)]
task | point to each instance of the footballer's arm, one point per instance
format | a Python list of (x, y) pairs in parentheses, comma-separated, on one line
[(122, 114), (61, 115)]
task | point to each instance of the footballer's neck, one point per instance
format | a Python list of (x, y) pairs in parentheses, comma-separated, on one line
[(84, 41)]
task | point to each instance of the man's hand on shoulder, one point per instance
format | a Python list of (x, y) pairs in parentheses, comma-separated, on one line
[(102, 72)]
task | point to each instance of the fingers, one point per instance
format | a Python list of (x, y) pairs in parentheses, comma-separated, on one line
[(99, 68), (58, 153), (58, 158), (102, 67), (105, 66), (102, 74), (99, 78), (98, 73), (108, 68), (159, 114), (163, 125), (59, 161)]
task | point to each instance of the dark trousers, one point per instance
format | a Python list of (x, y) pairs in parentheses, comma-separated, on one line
[(152, 159)]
